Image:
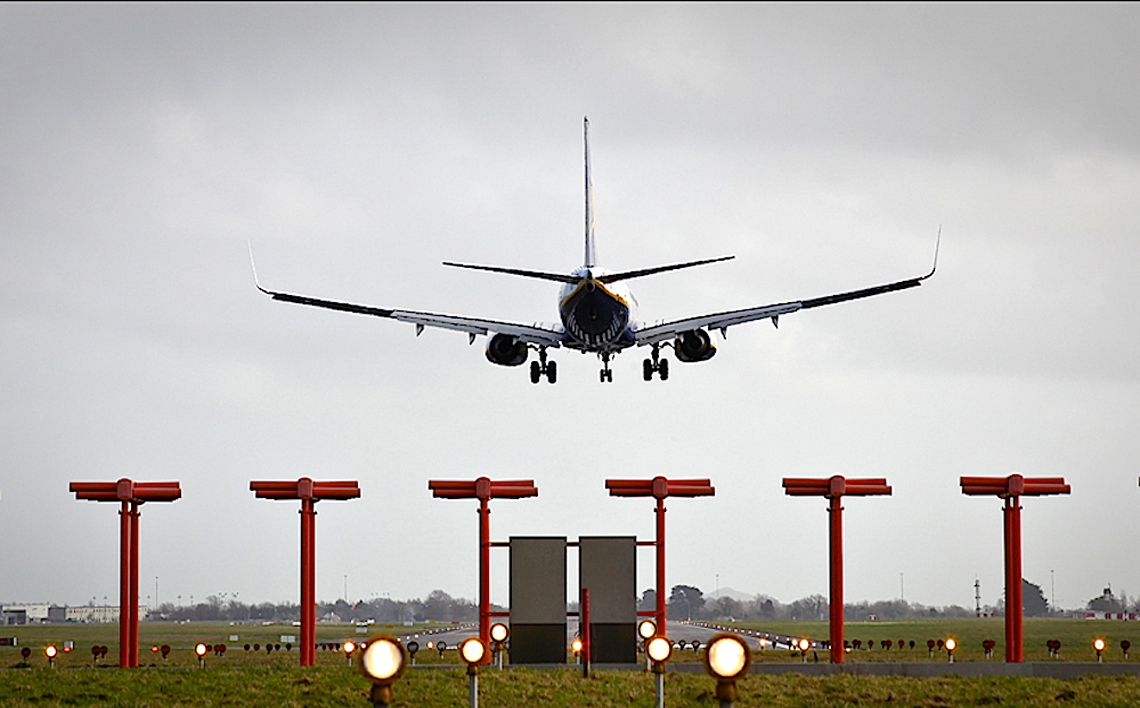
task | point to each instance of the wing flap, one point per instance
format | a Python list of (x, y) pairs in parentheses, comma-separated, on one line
[(721, 320)]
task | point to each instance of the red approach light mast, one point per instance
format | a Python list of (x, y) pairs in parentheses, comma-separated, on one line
[(309, 492), (835, 488), (484, 490), (659, 488), (130, 495), (1010, 489)]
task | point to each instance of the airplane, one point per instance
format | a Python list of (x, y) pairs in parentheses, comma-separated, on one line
[(598, 313)]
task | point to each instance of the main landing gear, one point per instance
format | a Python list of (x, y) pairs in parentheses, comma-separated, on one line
[(542, 367), (656, 364)]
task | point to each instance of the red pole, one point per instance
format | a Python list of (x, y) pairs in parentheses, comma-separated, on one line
[(134, 627), (1014, 594), (124, 585), (308, 582), (1010, 634), (835, 518), (485, 572), (660, 617)]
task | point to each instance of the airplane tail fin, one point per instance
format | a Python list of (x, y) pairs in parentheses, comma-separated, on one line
[(590, 257)]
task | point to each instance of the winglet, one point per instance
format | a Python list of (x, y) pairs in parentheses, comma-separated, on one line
[(253, 266), (937, 245)]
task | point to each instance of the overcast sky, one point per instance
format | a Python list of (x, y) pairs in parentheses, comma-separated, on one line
[(359, 146)]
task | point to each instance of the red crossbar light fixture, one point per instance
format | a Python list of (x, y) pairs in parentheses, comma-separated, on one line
[(484, 490), (130, 495), (660, 488), (1010, 489), (309, 492), (835, 488)]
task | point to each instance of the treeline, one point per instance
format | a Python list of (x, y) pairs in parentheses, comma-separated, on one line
[(437, 606), (688, 602), (684, 602)]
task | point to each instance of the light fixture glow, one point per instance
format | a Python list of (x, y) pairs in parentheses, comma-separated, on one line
[(659, 649), (646, 629), (804, 644), (951, 645), (472, 650), (576, 646), (200, 649), (727, 656), (50, 651), (349, 647), (383, 659), (1099, 645), (500, 632)]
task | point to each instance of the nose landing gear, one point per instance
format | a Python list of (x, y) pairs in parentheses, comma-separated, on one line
[(542, 367), (655, 364), (606, 375)]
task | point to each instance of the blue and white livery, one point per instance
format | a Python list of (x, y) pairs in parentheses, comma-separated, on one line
[(597, 313)]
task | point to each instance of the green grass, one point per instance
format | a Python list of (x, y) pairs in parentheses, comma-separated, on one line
[(256, 679), (340, 686), (1076, 637)]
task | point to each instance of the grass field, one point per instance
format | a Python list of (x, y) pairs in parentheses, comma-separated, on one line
[(1076, 637), (243, 678)]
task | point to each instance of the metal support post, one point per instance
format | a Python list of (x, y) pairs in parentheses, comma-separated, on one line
[(125, 585), (835, 514)]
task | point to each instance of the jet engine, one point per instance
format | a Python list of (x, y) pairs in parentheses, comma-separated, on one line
[(694, 345), (505, 350)]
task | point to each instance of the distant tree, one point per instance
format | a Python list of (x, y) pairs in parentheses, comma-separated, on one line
[(1033, 602), (648, 600), (812, 607), (728, 607), (685, 601), (766, 609)]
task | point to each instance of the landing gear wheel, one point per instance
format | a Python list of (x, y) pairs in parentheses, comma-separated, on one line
[(663, 370), (535, 372), (647, 370), (552, 372)]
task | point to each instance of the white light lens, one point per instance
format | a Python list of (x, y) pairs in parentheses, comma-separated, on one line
[(200, 650), (472, 650), (499, 632), (951, 645), (1098, 645), (382, 659), (659, 648), (646, 629), (726, 657)]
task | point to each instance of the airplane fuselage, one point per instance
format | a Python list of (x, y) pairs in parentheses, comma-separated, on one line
[(596, 316)]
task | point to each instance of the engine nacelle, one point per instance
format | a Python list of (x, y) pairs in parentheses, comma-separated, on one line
[(505, 350), (694, 345)]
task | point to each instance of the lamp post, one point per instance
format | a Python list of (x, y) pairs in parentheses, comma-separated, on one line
[(499, 635), (382, 661), (309, 492), (484, 490), (726, 659), (835, 488), (1011, 489), (130, 496), (473, 652), (658, 649)]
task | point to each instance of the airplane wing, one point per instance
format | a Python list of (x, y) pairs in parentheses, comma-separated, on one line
[(656, 333), (542, 335)]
